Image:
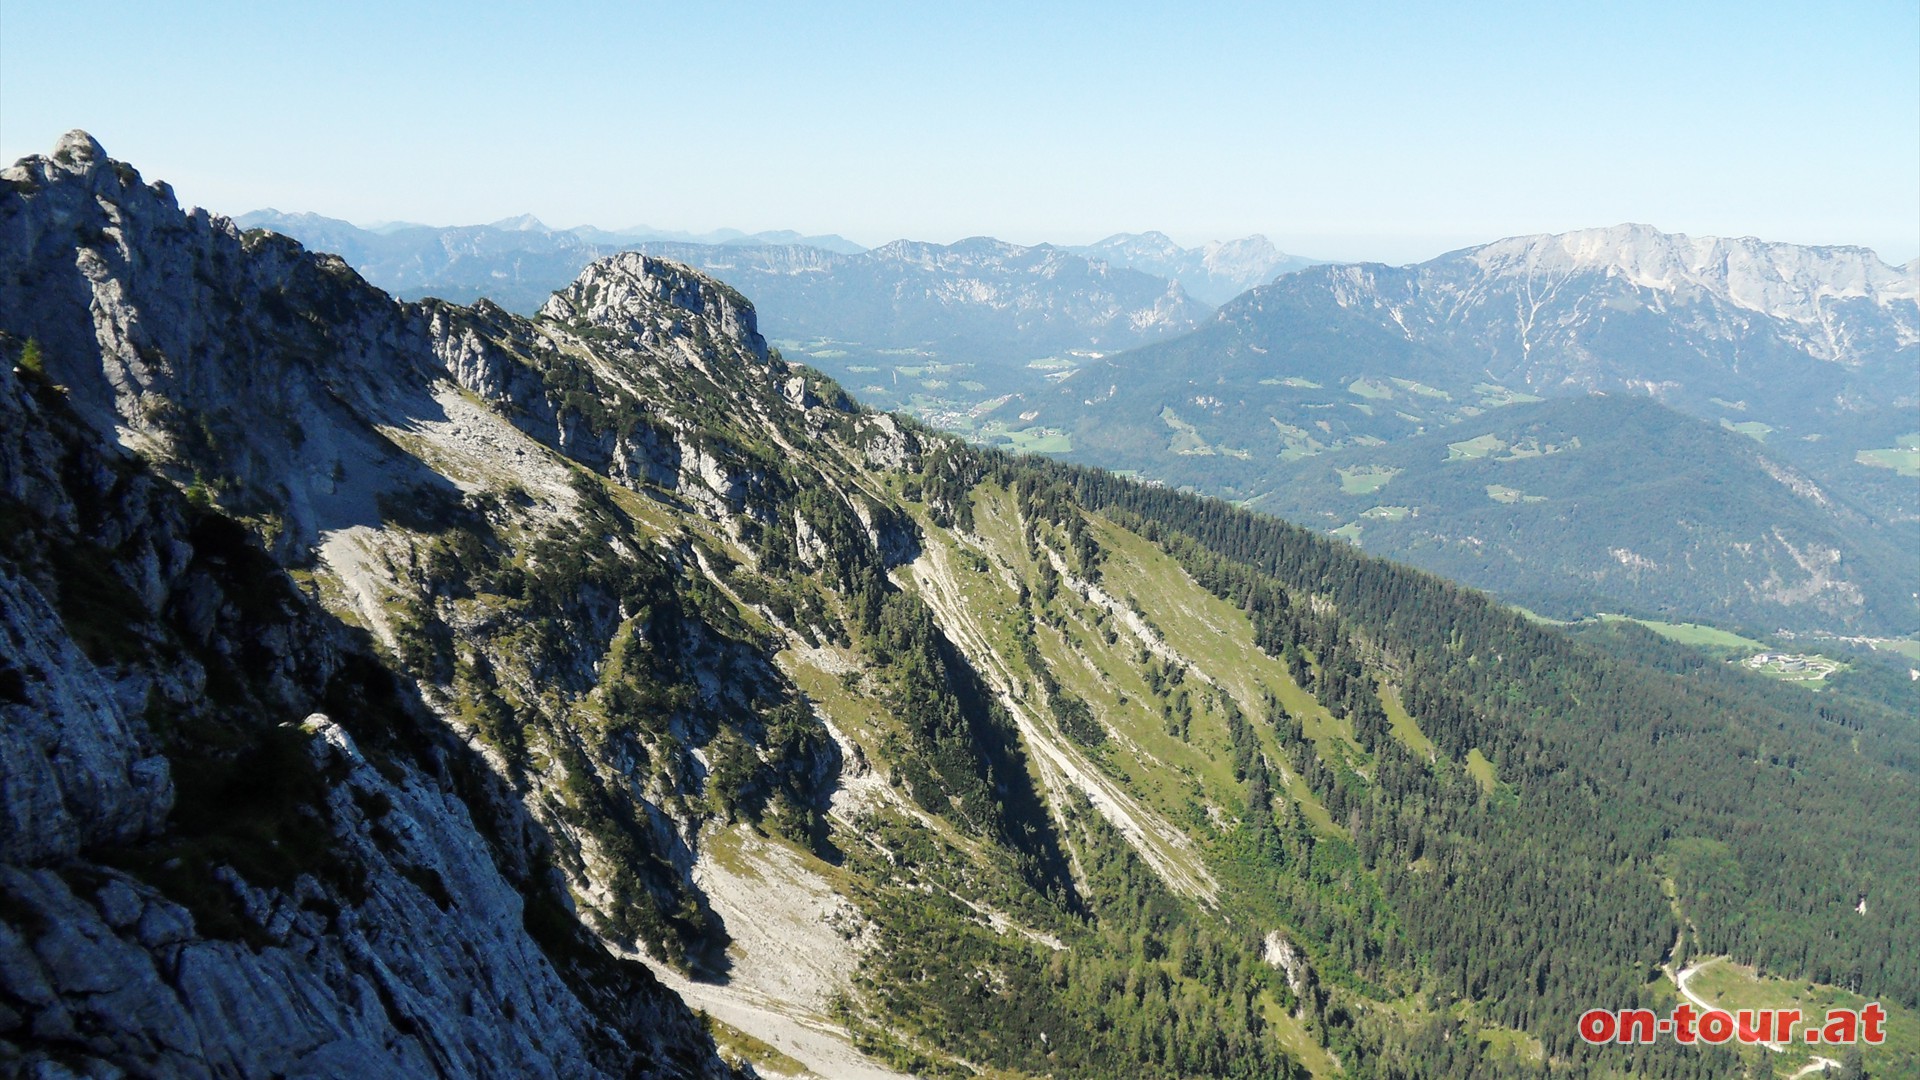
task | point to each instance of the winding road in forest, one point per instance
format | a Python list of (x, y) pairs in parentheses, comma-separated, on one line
[(1680, 980)]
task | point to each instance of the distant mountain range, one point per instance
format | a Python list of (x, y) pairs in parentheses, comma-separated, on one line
[(1813, 351), (984, 301), (1111, 354), (1214, 272), (516, 262), (937, 329), (465, 261), (945, 331), (1752, 332)]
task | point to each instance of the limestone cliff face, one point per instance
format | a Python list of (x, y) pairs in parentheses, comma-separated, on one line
[(231, 843), (650, 301)]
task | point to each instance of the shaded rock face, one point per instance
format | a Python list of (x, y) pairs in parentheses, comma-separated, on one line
[(349, 429), (232, 842), (243, 354), (73, 770)]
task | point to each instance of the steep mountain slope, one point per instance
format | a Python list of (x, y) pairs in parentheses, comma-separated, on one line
[(234, 842), (871, 741), (1614, 504), (1215, 272)]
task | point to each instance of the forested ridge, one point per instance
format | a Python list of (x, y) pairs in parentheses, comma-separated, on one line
[(1813, 797), (1528, 902)]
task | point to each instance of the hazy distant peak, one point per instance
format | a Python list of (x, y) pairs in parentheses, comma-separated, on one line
[(383, 228), (269, 218), (1248, 257), (520, 223), (1253, 243), (1152, 242), (1214, 272), (928, 252)]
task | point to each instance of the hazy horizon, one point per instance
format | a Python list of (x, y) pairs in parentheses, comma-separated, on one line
[(1391, 136), (1075, 241)]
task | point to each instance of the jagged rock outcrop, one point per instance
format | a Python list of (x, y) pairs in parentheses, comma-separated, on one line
[(650, 301)]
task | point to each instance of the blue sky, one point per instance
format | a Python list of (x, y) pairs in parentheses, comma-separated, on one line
[(1356, 130)]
